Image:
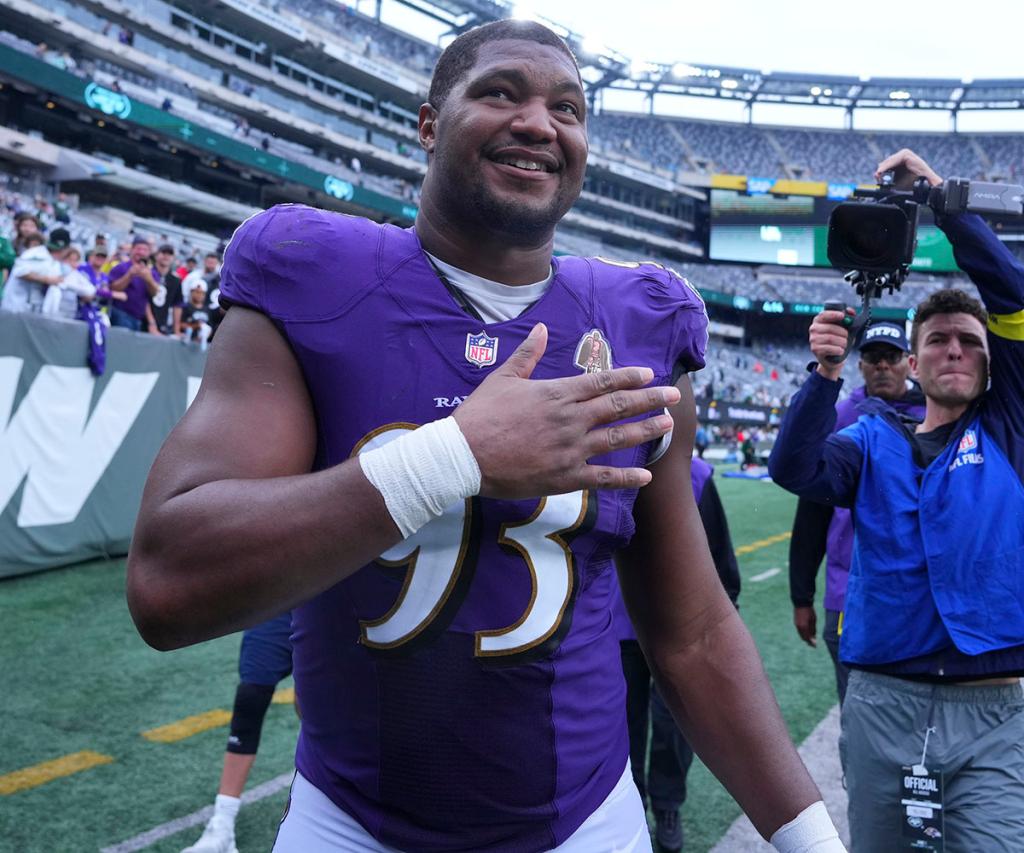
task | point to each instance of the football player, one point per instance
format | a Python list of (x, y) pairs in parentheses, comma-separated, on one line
[(410, 437)]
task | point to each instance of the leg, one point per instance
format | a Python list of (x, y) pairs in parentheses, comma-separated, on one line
[(984, 778), (671, 757), (882, 728), (831, 636), (638, 690)]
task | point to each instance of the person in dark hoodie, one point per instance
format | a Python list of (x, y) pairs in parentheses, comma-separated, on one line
[(827, 531)]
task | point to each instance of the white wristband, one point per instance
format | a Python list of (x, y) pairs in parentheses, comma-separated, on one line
[(422, 473), (811, 831)]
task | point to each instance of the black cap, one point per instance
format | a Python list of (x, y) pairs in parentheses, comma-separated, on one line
[(58, 239)]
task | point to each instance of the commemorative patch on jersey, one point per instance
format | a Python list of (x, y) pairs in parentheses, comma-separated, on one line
[(481, 349), (593, 353)]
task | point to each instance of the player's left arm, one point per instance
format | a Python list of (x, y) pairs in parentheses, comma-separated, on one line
[(704, 659)]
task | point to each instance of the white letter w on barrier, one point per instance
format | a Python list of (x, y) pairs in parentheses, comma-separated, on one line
[(55, 442)]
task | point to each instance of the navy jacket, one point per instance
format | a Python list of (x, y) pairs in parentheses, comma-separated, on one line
[(937, 577)]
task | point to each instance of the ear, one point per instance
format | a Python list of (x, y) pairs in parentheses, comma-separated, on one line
[(427, 125), (912, 361)]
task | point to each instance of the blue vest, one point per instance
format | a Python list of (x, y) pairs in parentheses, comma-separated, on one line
[(951, 566)]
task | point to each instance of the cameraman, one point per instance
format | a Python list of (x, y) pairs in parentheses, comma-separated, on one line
[(934, 625), (820, 530)]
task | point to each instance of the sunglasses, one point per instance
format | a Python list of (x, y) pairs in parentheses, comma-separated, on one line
[(888, 355)]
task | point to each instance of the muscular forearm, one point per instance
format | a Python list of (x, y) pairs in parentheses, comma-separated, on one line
[(231, 553), (719, 694)]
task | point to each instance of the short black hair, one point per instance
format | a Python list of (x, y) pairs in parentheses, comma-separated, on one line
[(462, 53), (950, 301)]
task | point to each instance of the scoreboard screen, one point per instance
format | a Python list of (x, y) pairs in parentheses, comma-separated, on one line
[(793, 231)]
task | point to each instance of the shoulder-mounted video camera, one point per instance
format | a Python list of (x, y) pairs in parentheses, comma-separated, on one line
[(873, 239)]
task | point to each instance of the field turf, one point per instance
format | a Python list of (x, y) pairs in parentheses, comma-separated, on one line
[(77, 679)]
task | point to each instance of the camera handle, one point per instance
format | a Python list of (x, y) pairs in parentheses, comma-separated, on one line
[(852, 324)]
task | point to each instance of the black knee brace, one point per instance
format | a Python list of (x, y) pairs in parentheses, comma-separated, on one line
[(251, 703)]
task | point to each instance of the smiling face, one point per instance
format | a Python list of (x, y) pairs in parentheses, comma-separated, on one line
[(508, 147), (951, 361)]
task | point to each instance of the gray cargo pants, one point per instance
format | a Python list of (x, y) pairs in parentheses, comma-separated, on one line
[(978, 744)]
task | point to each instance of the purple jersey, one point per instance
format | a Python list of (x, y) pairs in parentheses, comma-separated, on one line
[(136, 291), (464, 691)]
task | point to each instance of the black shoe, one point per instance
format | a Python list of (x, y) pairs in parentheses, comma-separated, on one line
[(668, 831)]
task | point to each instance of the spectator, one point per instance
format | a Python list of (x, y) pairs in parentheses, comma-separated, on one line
[(820, 530), (934, 622), (62, 209), (75, 288), (163, 315), (195, 315), (700, 440), (122, 254), (92, 269), (135, 279), (25, 223), (186, 268), (7, 258), (34, 271)]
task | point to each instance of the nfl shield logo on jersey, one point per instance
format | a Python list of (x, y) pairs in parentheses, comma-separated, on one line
[(481, 349), (968, 442)]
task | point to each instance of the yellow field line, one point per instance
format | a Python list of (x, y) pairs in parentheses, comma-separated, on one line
[(763, 543), (47, 771), (189, 726), (285, 696)]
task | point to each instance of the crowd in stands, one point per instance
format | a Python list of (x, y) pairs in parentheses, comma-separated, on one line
[(129, 280), (681, 145), (668, 145), (56, 260)]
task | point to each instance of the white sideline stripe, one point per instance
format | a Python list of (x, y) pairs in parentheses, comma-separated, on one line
[(820, 752), (765, 575), (158, 833)]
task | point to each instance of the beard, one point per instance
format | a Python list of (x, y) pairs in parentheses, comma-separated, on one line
[(520, 219)]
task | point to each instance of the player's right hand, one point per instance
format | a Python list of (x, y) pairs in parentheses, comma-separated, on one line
[(534, 437), (828, 336), (806, 622)]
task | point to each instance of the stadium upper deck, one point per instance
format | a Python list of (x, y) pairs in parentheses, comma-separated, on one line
[(309, 100)]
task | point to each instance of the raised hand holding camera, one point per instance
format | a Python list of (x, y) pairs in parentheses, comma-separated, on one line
[(830, 338)]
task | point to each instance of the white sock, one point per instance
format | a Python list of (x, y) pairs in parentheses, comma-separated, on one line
[(226, 807)]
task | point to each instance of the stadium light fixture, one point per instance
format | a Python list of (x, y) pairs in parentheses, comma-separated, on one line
[(900, 95), (681, 69), (815, 90), (729, 84), (828, 91)]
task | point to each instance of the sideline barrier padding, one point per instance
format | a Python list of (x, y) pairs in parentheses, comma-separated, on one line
[(75, 449)]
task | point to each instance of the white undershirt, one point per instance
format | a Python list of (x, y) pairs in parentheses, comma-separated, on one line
[(494, 302)]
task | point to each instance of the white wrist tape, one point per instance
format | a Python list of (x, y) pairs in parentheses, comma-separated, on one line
[(811, 831), (422, 473)]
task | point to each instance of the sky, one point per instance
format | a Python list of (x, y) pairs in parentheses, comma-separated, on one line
[(877, 38)]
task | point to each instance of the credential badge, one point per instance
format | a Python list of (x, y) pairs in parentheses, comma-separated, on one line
[(593, 353), (481, 349)]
